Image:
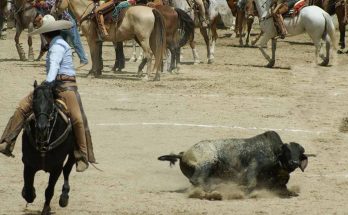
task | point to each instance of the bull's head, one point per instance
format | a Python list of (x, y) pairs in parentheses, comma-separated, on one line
[(293, 156)]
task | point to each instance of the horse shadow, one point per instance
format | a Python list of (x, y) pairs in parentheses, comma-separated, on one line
[(297, 43), (27, 211), (9, 60), (258, 66)]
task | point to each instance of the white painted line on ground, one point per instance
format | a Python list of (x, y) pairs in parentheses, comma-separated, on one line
[(207, 126)]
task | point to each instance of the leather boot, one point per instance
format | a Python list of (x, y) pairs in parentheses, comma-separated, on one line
[(12, 130), (280, 26), (101, 26), (81, 161)]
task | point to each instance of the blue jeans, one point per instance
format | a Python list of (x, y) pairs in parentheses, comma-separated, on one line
[(73, 35)]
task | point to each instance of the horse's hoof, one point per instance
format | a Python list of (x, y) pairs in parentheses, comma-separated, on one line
[(145, 78), (210, 61), (325, 62), (46, 210), (270, 64), (64, 200), (29, 197), (31, 59), (196, 62), (157, 78), (340, 52)]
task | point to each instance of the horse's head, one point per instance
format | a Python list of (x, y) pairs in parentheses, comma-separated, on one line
[(59, 7), (43, 108)]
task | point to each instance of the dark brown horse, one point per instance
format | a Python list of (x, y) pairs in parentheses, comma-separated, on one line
[(179, 30), (244, 15), (338, 7)]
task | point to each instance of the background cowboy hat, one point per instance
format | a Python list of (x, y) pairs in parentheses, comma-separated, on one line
[(49, 24)]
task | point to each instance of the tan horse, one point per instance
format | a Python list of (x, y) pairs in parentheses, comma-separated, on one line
[(144, 24)]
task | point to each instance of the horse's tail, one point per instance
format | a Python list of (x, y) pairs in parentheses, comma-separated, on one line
[(329, 30), (172, 158), (158, 39), (187, 25)]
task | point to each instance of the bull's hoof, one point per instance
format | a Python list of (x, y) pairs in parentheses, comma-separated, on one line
[(46, 210), (325, 62), (64, 200), (270, 64), (29, 197)]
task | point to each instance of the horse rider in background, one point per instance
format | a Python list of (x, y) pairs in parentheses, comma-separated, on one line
[(281, 7)]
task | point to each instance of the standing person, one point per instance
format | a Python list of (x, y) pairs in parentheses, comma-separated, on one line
[(59, 68), (72, 33)]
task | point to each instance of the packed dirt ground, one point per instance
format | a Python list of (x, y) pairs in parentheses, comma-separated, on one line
[(133, 122)]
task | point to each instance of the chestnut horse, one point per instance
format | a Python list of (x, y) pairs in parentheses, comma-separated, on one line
[(244, 14), (144, 24)]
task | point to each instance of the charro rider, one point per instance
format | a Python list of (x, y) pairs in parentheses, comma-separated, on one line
[(60, 69), (202, 12), (100, 9), (281, 7)]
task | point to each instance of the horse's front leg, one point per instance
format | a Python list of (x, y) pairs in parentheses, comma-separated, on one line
[(196, 59), (54, 175), (28, 191), (262, 45), (214, 38), (19, 46), (64, 197), (204, 32), (120, 59), (30, 44)]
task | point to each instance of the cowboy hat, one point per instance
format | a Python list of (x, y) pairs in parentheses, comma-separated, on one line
[(49, 24)]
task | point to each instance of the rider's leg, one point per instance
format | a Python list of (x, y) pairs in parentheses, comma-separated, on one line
[(15, 125), (100, 18), (278, 19), (202, 13), (71, 100)]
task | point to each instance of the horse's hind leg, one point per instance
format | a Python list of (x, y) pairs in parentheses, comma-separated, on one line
[(196, 59), (250, 22), (148, 58), (19, 46), (204, 32), (30, 44), (54, 175), (28, 192), (64, 197), (326, 58)]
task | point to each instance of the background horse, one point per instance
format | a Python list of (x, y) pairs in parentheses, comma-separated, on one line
[(5, 7), (24, 13), (340, 9), (47, 141), (312, 20), (144, 24), (244, 14)]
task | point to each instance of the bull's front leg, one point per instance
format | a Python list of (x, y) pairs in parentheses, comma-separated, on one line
[(251, 176)]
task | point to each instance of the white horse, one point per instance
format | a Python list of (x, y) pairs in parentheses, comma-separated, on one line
[(311, 19)]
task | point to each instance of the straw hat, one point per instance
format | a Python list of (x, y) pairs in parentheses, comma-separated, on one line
[(49, 24)]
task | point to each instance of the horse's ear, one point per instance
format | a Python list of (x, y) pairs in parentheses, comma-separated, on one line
[(35, 84)]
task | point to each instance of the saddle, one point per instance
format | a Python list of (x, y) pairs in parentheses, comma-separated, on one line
[(295, 6)]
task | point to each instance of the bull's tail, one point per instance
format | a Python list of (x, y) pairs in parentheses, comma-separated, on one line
[(172, 158), (329, 30), (158, 40), (187, 26)]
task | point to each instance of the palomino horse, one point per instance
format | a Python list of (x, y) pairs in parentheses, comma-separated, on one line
[(46, 142), (312, 19), (144, 24), (338, 7)]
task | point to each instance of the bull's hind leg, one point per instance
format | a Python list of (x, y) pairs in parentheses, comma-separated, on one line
[(64, 197), (28, 192), (54, 175)]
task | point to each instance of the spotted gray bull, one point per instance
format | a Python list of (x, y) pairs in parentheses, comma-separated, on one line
[(261, 161)]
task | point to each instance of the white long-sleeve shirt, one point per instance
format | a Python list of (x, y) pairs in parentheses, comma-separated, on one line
[(59, 59)]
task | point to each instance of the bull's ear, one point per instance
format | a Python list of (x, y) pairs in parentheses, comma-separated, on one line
[(35, 84)]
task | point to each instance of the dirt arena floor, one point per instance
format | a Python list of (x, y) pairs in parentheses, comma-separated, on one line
[(133, 122)]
